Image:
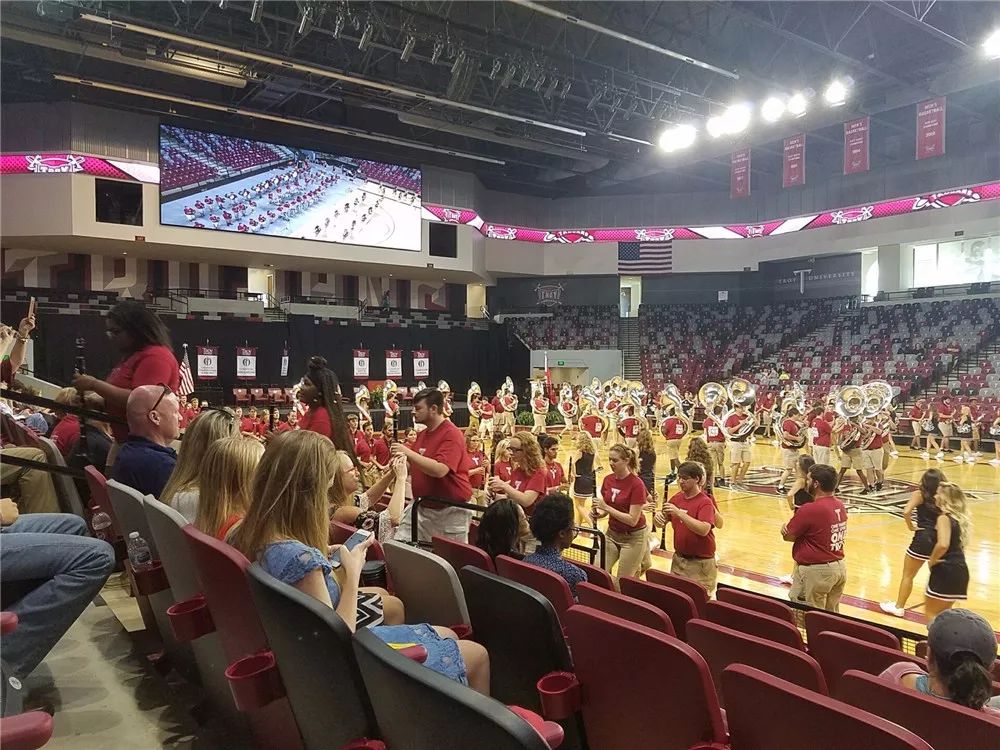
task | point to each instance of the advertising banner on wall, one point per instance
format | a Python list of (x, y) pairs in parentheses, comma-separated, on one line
[(246, 362), (822, 276), (361, 362), (739, 174), (421, 363), (208, 362), (793, 168), (930, 128), (394, 363), (856, 158)]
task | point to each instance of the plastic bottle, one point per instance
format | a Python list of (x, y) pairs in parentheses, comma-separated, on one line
[(139, 553), (100, 524)]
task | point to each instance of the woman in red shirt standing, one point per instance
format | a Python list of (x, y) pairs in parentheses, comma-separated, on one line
[(320, 392), (147, 358), (480, 465), (622, 497), (526, 485)]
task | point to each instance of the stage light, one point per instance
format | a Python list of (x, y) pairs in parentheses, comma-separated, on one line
[(256, 11), (991, 45), (736, 118), (366, 37), (836, 92), (677, 137), (459, 62), (772, 109), (438, 50), (715, 126), (495, 70), (223, 4), (411, 42), (797, 104)]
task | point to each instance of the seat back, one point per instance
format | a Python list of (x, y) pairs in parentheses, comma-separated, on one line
[(312, 645), (97, 483), (763, 604), (625, 607), (837, 653), (419, 709), (66, 491), (754, 623), (695, 590), (619, 662), (597, 576), (678, 606), (550, 585), (427, 584), (722, 646), (765, 712), (817, 622), (460, 554), (945, 725), (130, 513)]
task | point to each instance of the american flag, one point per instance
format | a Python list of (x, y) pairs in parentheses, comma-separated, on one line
[(636, 258), (187, 380)]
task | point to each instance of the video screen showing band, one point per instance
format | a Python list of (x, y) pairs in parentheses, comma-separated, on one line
[(213, 181)]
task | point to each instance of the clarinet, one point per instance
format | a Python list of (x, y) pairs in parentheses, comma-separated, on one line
[(80, 365)]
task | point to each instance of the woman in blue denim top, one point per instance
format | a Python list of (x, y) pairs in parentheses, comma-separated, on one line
[(286, 531)]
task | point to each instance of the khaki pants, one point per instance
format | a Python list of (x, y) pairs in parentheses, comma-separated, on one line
[(630, 551), (486, 429), (473, 422), (872, 459), (821, 453), (819, 586), (674, 450), (718, 453), (789, 458), (538, 421), (449, 522), (35, 492), (703, 572), (851, 459), (945, 428)]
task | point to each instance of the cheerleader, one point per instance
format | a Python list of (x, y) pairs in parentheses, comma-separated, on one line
[(995, 434), (929, 426), (583, 470), (949, 579), (963, 428)]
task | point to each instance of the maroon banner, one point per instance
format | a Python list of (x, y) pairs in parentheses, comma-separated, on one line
[(930, 128), (361, 364), (856, 154), (421, 363), (394, 363), (246, 362), (793, 168), (208, 362), (739, 174)]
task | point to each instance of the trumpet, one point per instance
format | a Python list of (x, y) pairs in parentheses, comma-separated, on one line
[(741, 393)]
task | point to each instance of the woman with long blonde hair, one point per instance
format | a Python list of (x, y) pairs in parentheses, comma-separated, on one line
[(949, 579), (286, 531), (583, 470), (181, 491), (224, 484)]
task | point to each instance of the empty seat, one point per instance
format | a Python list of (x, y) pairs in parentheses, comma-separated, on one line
[(838, 653), (763, 604), (766, 712), (677, 605), (597, 576), (550, 585), (69, 496), (620, 666), (620, 605), (754, 623), (945, 725), (460, 554), (427, 584), (695, 590), (817, 622), (418, 709), (722, 646)]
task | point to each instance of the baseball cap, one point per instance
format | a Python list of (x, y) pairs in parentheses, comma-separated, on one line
[(957, 631)]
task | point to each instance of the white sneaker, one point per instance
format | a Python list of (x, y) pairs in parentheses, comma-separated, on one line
[(939, 455), (970, 459), (786, 580), (894, 454), (925, 455), (977, 454), (994, 461), (958, 459), (890, 608), (775, 443)]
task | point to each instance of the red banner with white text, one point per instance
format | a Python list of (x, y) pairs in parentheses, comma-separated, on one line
[(208, 362), (421, 363), (394, 363), (930, 128), (739, 174), (361, 364), (793, 169), (856, 152)]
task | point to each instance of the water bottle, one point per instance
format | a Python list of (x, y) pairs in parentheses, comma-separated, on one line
[(100, 524), (139, 553)]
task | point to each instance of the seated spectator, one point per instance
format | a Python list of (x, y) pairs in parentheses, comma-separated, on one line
[(224, 481), (66, 433), (53, 551), (32, 488), (961, 649), (382, 523), (552, 523), (181, 491), (286, 531), (500, 527), (146, 460)]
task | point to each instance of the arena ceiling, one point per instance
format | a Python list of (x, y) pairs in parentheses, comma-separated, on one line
[(555, 98)]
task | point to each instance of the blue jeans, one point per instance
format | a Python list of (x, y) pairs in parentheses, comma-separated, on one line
[(55, 549)]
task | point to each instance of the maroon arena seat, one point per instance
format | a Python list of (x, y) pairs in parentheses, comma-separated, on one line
[(754, 623), (626, 673), (766, 712), (677, 605), (597, 576), (625, 607), (550, 585), (945, 725), (722, 646), (696, 591), (460, 554), (763, 604), (837, 653), (27, 731), (817, 622)]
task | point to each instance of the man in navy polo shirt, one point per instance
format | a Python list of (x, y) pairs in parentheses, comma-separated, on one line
[(146, 460)]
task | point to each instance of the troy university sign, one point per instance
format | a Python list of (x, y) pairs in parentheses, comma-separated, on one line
[(549, 295)]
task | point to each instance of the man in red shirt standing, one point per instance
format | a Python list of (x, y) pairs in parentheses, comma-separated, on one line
[(739, 447), (823, 427), (946, 413), (692, 516), (918, 413), (817, 532), (439, 467), (487, 410), (716, 444), (673, 429), (792, 441)]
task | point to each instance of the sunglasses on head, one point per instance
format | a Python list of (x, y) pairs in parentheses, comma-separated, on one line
[(166, 390)]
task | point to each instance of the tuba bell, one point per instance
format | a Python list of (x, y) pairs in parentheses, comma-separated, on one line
[(849, 405), (473, 397), (672, 402), (363, 400), (741, 392), (711, 395)]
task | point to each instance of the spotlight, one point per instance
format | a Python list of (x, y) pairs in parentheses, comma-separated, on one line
[(772, 109), (677, 137), (567, 85), (715, 126), (736, 118), (836, 92), (411, 42), (551, 89), (797, 104), (991, 45), (495, 70), (256, 11), (459, 62), (438, 49), (508, 75), (366, 37)]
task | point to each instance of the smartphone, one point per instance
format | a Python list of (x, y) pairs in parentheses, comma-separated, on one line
[(31, 307), (353, 541)]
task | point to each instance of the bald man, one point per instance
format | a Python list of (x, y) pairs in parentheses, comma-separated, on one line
[(146, 460)]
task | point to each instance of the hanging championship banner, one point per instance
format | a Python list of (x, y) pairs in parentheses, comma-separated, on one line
[(930, 128), (246, 362), (394, 363), (284, 363), (856, 145), (208, 362), (793, 169), (421, 363), (739, 174), (361, 361)]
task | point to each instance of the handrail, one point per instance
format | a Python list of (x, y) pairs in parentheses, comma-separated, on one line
[(319, 299)]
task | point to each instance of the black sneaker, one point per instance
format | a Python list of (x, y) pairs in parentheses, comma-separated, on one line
[(878, 486), (782, 490), (865, 491)]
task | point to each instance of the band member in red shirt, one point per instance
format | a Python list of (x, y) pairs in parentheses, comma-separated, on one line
[(946, 415), (823, 431), (739, 447), (480, 465), (526, 485), (763, 408), (817, 532), (716, 441), (792, 440), (674, 428), (692, 515), (917, 415), (594, 425), (554, 474), (629, 428), (622, 498), (487, 411), (380, 448), (501, 460)]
